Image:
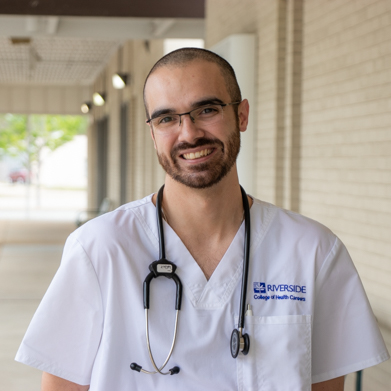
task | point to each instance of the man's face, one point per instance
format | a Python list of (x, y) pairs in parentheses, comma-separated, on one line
[(196, 156)]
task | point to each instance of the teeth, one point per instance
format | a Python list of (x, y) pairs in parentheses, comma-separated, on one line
[(197, 155)]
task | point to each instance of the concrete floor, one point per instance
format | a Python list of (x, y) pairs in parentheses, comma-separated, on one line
[(30, 253)]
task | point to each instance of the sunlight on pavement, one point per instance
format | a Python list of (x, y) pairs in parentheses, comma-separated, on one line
[(23, 202)]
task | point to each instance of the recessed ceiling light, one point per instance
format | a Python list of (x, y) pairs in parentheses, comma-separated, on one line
[(99, 98), (120, 80), (86, 107)]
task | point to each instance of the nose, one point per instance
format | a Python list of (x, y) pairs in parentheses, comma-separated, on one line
[(188, 129), (189, 114)]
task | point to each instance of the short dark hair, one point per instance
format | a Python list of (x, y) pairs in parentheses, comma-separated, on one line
[(183, 56)]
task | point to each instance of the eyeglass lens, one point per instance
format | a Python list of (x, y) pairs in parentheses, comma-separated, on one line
[(204, 115)]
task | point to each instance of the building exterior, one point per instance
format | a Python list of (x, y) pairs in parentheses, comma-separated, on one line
[(321, 137)]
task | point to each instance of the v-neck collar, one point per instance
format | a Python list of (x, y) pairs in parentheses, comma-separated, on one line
[(215, 292), (203, 293)]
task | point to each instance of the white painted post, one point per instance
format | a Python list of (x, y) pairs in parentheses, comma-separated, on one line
[(239, 51)]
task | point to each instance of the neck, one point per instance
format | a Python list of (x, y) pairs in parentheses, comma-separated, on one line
[(205, 212), (206, 220)]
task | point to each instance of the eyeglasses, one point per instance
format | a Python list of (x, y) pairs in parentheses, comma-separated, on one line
[(202, 116)]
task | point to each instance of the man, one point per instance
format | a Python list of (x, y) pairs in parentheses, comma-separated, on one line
[(309, 323)]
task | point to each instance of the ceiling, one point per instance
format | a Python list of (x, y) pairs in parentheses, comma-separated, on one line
[(105, 8), (53, 60), (47, 42)]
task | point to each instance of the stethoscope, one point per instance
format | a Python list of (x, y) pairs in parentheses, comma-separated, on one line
[(239, 342)]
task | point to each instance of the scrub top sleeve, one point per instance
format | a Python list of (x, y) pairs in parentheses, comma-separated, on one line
[(64, 334), (346, 337)]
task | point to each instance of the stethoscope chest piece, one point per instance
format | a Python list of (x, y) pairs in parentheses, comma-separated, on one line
[(239, 343)]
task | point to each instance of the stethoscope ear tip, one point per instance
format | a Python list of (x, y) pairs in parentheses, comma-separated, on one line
[(135, 367), (174, 371)]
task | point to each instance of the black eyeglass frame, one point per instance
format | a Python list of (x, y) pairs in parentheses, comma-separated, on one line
[(189, 112)]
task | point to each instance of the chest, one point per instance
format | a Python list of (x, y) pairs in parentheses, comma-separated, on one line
[(207, 251), (208, 316)]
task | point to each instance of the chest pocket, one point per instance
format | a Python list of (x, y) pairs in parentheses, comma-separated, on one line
[(280, 354)]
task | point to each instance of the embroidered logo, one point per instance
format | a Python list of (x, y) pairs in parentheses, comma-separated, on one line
[(259, 287), (263, 291)]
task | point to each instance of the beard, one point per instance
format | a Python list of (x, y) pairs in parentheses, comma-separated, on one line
[(207, 174)]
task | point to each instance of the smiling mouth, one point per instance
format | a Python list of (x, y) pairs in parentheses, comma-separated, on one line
[(197, 155)]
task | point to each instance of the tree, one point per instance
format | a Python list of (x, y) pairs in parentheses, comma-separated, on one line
[(26, 136), (12, 134)]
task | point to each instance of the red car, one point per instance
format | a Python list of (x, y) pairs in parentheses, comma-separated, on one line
[(20, 176)]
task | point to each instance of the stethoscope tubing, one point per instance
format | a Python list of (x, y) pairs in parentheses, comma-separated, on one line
[(163, 267), (159, 370), (246, 258), (159, 219)]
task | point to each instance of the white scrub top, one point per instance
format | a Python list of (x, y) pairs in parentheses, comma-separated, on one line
[(311, 318)]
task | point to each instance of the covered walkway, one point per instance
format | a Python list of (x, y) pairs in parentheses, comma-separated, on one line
[(30, 253)]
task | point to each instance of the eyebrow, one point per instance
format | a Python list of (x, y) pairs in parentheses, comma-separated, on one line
[(158, 113), (203, 102), (207, 101)]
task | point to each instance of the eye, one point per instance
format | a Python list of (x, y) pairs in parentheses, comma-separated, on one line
[(209, 110), (166, 119)]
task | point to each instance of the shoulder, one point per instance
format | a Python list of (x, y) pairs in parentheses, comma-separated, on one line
[(121, 224), (292, 232), (290, 223)]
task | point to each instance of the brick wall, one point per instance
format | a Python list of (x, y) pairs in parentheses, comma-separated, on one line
[(323, 133), (346, 141)]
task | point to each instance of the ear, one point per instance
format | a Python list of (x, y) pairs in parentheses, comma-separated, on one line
[(243, 113), (153, 136)]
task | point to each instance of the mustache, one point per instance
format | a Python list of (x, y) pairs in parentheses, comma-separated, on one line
[(199, 143)]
